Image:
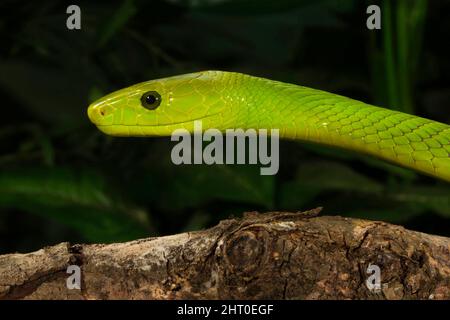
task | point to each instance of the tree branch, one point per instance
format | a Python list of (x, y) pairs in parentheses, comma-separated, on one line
[(268, 256)]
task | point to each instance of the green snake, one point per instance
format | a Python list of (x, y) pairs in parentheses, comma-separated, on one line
[(225, 100)]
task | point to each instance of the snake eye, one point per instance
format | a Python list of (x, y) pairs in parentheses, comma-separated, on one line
[(151, 100)]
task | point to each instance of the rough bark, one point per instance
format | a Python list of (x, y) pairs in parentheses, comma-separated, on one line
[(268, 256)]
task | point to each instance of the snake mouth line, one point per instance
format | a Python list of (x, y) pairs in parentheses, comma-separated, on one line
[(157, 125)]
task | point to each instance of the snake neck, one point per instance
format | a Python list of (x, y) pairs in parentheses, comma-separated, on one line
[(306, 114)]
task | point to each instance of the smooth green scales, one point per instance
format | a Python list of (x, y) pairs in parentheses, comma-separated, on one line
[(224, 100)]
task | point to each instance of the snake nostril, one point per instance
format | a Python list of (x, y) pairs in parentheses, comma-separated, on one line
[(101, 114)]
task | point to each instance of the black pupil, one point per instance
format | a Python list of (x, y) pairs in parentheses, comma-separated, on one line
[(150, 99)]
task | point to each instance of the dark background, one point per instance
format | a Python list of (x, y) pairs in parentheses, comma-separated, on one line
[(63, 180)]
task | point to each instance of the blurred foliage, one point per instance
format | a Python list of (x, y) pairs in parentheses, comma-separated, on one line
[(62, 180), (395, 63)]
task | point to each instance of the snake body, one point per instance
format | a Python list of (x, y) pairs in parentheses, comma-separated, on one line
[(224, 100)]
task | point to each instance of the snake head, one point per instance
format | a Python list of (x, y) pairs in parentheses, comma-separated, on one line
[(158, 107)]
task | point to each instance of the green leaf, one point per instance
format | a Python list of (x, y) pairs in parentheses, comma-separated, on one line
[(398, 215), (78, 198), (342, 154), (434, 198), (336, 176), (190, 186), (115, 23), (197, 185), (370, 198), (314, 178)]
